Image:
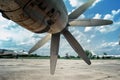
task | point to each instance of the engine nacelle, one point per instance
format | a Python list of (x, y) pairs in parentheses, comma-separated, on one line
[(35, 15)]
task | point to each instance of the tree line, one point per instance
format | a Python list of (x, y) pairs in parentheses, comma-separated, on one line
[(67, 56)]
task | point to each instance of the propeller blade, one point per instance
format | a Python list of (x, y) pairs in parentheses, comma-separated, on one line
[(90, 22), (40, 43), (54, 51), (75, 14), (76, 46)]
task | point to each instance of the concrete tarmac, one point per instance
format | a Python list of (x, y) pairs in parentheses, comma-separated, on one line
[(38, 69)]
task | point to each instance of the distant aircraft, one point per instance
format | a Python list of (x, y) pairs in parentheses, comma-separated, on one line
[(50, 16), (4, 53)]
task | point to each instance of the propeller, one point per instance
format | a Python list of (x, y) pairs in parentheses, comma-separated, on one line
[(89, 22), (75, 14), (54, 51), (76, 46), (40, 43), (55, 38)]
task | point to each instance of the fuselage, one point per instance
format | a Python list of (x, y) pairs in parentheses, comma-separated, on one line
[(36, 15)]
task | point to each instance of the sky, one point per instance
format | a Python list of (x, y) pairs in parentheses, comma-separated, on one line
[(96, 39)]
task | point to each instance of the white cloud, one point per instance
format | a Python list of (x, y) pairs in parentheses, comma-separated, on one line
[(112, 15), (109, 46), (81, 16), (4, 22), (114, 26), (97, 16), (109, 28), (77, 3), (113, 44), (114, 12), (106, 28), (10, 31), (1, 18), (88, 29), (92, 36), (88, 41), (78, 35), (4, 36), (108, 16), (97, 1), (83, 39)]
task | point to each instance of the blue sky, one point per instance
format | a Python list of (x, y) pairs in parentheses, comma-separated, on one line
[(97, 40)]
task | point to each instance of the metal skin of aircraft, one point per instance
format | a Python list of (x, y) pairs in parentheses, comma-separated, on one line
[(50, 16)]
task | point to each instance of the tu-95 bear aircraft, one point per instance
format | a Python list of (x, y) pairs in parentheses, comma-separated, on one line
[(51, 16)]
